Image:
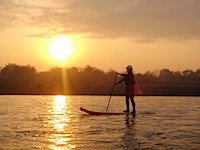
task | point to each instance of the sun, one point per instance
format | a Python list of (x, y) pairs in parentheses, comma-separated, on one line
[(61, 48)]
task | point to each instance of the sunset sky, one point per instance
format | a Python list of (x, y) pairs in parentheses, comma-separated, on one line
[(107, 34)]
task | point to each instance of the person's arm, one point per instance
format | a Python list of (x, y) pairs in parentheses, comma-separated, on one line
[(121, 74)]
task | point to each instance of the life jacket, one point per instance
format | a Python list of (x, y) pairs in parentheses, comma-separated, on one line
[(129, 79)]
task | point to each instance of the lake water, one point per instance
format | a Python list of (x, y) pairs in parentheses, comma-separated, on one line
[(56, 123)]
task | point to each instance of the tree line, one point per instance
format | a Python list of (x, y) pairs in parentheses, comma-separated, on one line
[(21, 79)]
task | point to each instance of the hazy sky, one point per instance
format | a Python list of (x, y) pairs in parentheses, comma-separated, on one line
[(107, 34)]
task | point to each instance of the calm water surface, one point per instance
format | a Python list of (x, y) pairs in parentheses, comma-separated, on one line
[(56, 123)]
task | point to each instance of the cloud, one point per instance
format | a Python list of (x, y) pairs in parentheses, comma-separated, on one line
[(18, 13), (5, 16), (141, 20)]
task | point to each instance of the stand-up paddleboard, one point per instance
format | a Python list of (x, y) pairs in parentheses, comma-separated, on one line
[(90, 112)]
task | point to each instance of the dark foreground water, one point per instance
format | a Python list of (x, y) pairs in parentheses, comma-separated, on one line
[(56, 123)]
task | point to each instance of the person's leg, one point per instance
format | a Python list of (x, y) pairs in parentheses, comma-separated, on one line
[(133, 104), (127, 105)]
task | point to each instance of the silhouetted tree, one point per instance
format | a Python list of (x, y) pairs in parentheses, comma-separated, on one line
[(197, 73), (19, 79), (166, 75), (16, 75)]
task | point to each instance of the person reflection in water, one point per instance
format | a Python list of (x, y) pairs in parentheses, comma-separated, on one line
[(129, 80)]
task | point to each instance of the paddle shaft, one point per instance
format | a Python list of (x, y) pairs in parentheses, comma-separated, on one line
[(111, 91)]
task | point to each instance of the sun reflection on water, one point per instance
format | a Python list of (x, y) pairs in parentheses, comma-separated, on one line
[(61, 135)]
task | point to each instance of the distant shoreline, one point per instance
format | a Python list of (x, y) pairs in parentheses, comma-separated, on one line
[(25, 80), (17, 94)]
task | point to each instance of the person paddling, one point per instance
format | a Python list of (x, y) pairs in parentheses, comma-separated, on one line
[(129, 80)]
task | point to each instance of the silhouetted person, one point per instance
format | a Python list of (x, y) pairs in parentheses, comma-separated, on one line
[(129, 80)]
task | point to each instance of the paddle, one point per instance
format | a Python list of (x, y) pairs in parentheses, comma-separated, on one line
[(111, 91)]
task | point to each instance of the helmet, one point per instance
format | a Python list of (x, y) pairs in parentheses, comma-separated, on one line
[(129, 67)]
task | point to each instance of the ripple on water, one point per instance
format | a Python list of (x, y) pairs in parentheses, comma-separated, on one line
[(47, 122)]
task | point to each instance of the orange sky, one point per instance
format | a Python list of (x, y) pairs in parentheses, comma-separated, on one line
[(150, 35)]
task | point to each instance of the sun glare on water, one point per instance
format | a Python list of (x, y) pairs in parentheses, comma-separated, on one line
[(61, 48)]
